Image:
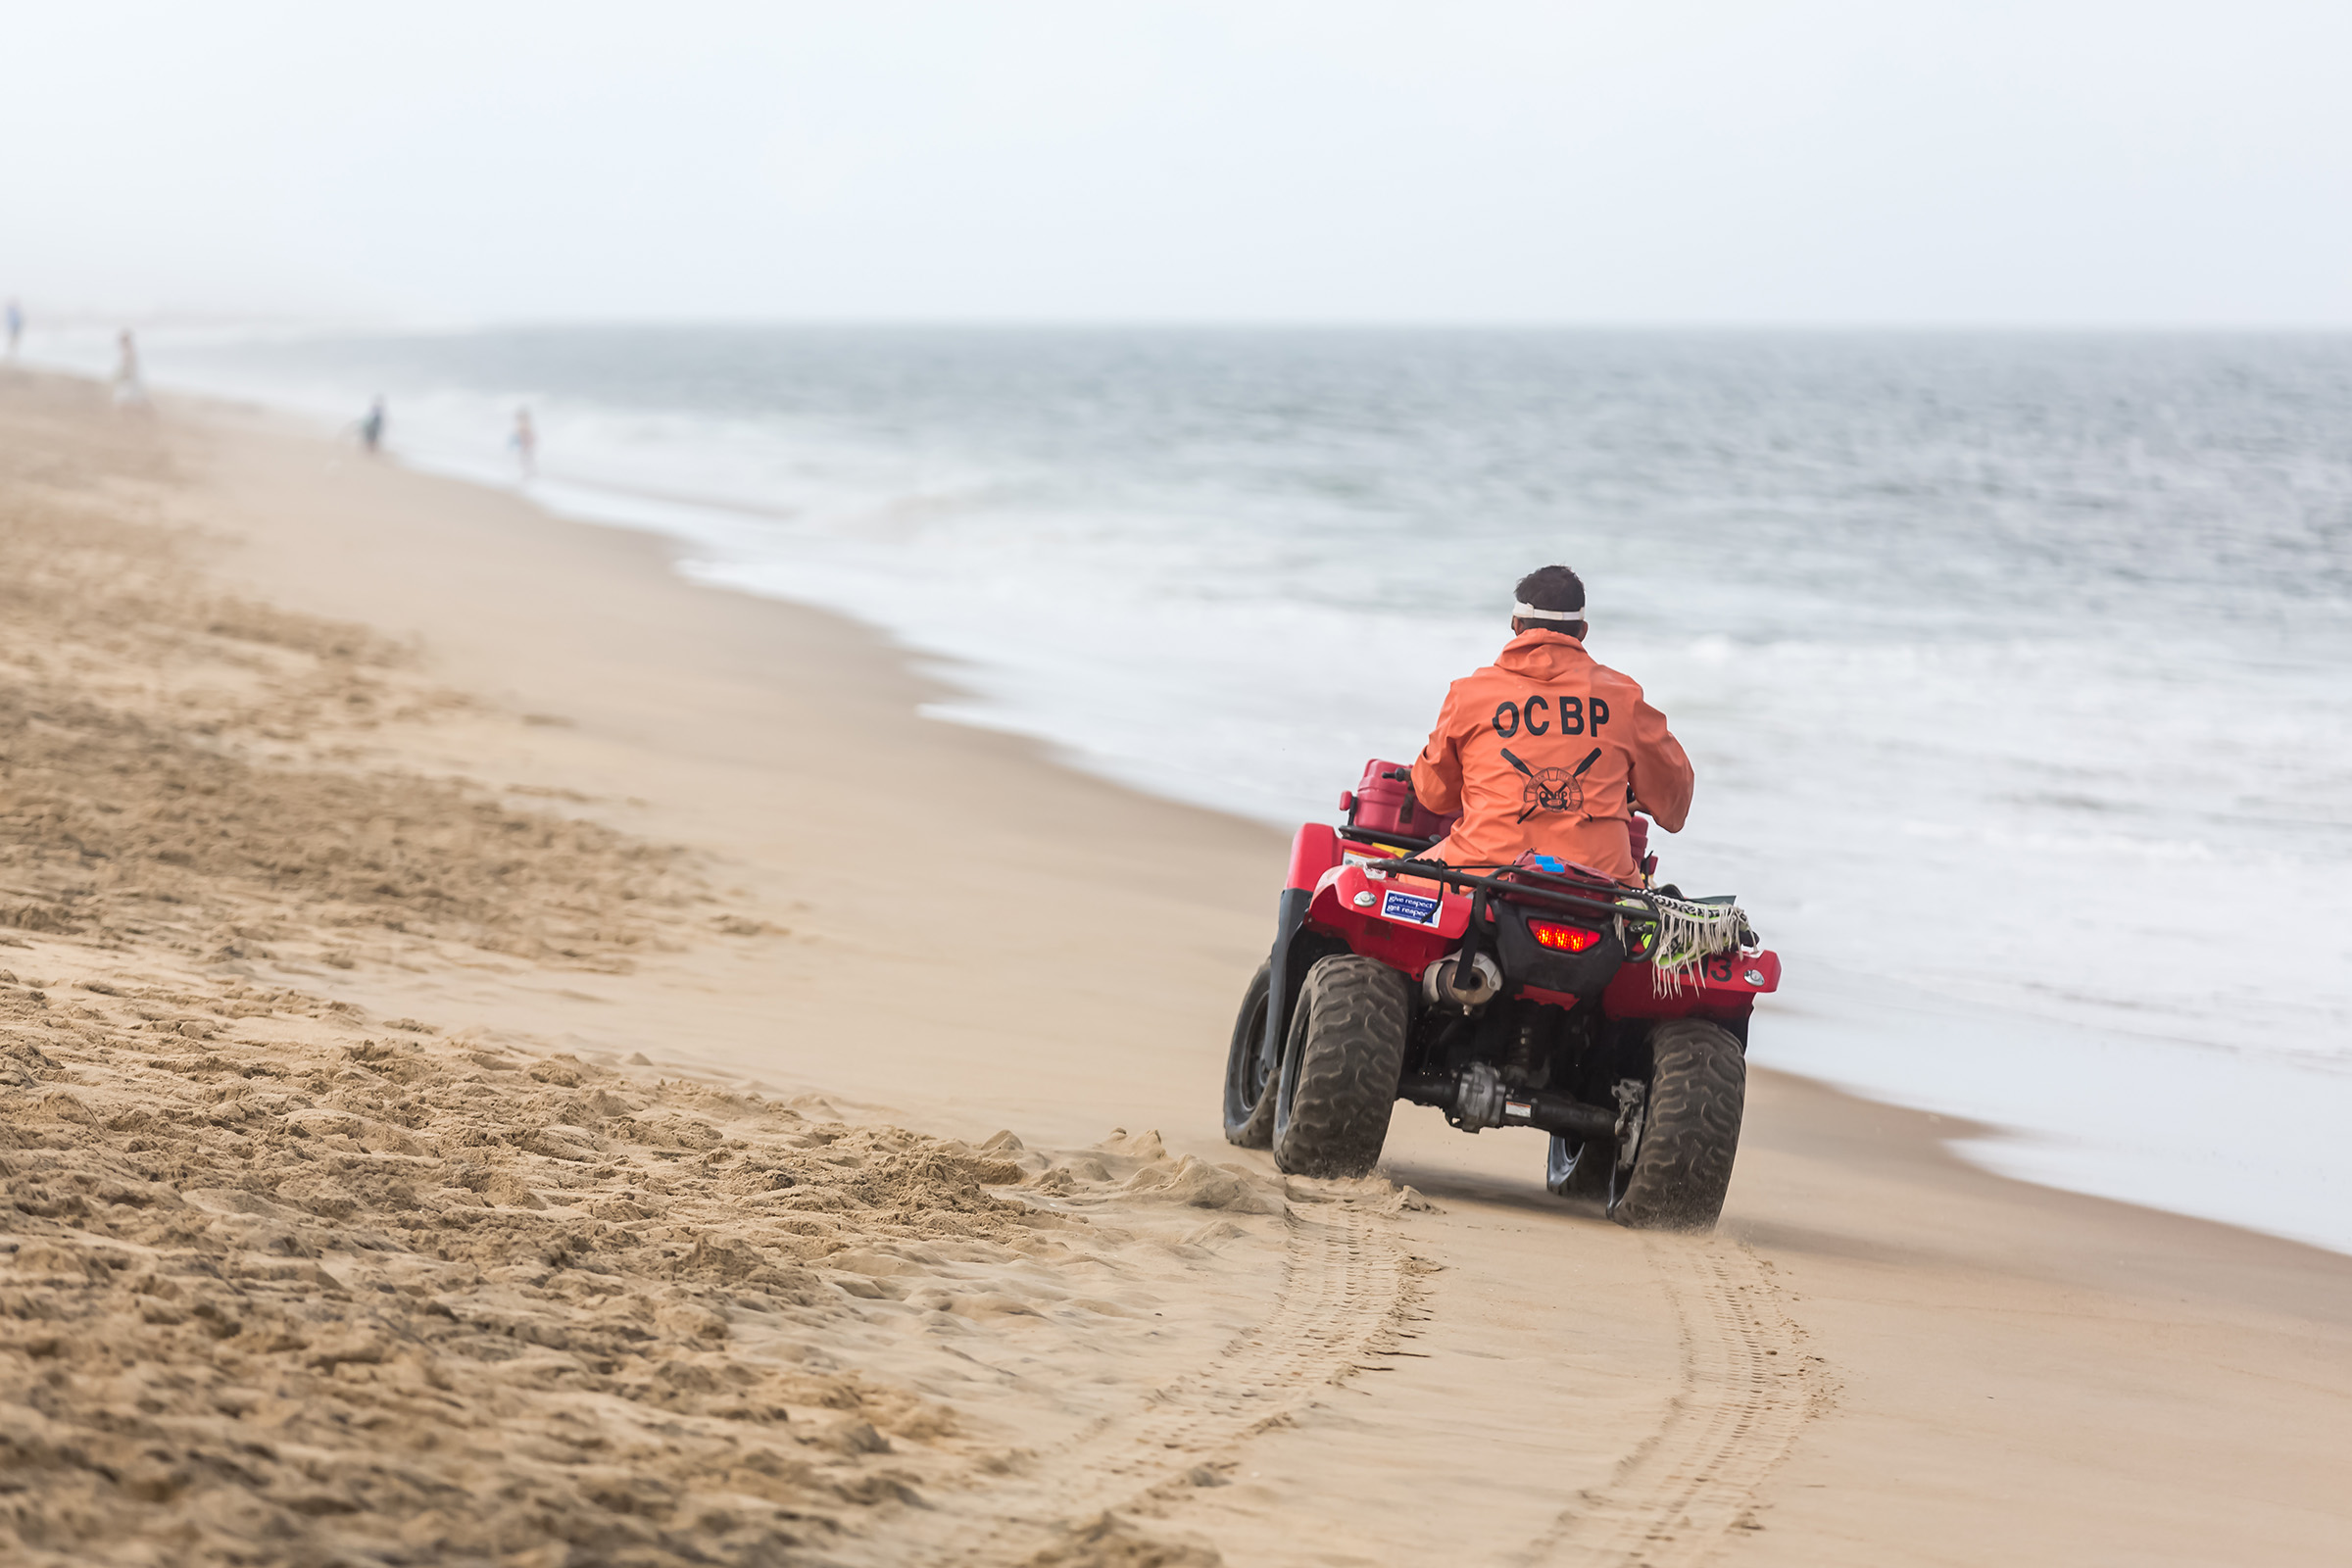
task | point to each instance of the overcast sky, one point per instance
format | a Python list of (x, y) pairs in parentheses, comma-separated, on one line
[(1818, 163)]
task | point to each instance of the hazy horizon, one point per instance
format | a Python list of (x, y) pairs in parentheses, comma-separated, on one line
[(1821, 164), (331, 324)]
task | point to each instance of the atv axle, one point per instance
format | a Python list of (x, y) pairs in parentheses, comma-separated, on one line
[(1476, 1098)]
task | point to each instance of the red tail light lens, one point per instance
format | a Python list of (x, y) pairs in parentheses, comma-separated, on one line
[(1563, 938)]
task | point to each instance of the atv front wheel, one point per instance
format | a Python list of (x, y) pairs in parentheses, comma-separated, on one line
[(1690, 1129), (1579, 1167), (1339, 1068), (1249, 1068)]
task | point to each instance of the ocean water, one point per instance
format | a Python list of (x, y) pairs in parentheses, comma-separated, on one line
[(2017, 670)]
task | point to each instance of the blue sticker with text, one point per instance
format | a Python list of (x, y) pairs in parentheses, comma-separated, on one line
[(1411, 906)]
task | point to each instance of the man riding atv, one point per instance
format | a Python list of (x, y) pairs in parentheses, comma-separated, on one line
[(1514, 967), (1547, 750)]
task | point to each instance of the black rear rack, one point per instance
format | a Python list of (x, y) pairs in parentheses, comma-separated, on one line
[(1526, 885)]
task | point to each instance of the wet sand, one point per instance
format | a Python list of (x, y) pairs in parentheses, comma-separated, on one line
[(578, 1070)]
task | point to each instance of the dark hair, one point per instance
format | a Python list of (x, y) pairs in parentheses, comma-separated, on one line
[(1552, 588)]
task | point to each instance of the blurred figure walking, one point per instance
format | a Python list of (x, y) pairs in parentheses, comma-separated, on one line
[(15, 326), (372, 428), (525, 442), (129, 390)]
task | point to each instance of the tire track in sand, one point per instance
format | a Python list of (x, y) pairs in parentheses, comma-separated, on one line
[(1747, 1389), (1346, 1285)]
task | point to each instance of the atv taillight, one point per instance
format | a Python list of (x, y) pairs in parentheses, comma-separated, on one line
[(1562, 938)]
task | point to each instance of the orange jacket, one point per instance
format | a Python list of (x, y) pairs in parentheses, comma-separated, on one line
[(1539, 750)]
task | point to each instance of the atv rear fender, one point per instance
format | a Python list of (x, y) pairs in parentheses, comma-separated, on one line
[(1317, 916), (1719, 989), (1403, 923)]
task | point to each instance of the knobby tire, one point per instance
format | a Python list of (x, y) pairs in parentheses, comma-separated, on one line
[(1691, 1129), (1340, 1066)]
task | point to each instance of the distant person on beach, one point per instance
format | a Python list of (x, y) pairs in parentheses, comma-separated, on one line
[(525, 441), (372, 428), (15, 326), (129, 388)]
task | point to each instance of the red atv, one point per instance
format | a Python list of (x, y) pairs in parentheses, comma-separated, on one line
[(1539, 993)]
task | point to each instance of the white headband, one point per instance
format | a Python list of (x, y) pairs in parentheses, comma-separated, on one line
[(1527, 612)]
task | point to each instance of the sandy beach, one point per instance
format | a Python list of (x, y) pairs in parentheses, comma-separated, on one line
[(513, 1057)]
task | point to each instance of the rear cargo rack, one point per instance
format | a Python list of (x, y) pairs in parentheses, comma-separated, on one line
[(1526, 885)]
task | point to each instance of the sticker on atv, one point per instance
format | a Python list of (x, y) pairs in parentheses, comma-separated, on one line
[(1410, 907)]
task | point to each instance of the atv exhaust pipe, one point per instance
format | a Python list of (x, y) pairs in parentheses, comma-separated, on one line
[(1439, 981), (1477, 1096)]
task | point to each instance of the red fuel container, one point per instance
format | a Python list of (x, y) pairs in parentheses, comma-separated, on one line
[(1384, 805)]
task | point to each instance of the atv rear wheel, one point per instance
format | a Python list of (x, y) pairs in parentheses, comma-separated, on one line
[(1339, 1068), (1249, 1068), (1690, 1129)]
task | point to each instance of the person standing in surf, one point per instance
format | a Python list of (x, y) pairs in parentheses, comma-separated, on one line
[(130, 390), (1547, 750), (525, 442)]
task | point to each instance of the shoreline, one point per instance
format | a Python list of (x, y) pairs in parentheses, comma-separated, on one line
[(2042, 1155), (1906, 1333), (2076, 1118)]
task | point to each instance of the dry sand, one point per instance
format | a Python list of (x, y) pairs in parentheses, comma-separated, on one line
[(505, 1055)]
